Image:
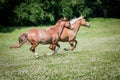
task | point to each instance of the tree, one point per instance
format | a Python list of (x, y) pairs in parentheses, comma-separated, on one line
[(35, 12)]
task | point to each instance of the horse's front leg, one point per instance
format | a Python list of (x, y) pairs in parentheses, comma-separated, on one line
[(72, 44), (58, 46), (52, 47)]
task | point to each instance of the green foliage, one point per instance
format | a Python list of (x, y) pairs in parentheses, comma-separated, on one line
[(32, 13), (35, 12), (2, 1), (66, 8), (87, 11)]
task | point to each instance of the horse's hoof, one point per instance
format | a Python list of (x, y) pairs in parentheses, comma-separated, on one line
[(48, 54), (65, 49), (37, 57)]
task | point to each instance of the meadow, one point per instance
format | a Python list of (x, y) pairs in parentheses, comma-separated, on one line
[(96, 57)]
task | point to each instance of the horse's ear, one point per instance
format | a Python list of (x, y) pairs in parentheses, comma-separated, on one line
[(83, 17), (80, 17), (65, 19)]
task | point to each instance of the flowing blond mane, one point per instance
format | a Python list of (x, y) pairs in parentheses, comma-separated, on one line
[(72, 21)]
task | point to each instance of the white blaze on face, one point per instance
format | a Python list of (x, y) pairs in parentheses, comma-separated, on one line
[(87, 24)]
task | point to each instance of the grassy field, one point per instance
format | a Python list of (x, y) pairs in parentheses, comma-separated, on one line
[(96, 57)]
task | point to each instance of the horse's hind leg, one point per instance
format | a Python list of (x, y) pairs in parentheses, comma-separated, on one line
[(73, 45), (34, 45)]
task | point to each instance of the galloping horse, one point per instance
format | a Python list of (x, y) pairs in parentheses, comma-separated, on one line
[(69, 35), (46, 36)]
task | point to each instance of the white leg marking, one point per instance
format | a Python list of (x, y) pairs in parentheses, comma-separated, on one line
[(36, 54), (50, 53), (56, 51)]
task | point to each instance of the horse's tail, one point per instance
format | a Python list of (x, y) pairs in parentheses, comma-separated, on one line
[(22, 39)]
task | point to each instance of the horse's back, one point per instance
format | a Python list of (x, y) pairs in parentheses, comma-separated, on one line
[(42, 36)]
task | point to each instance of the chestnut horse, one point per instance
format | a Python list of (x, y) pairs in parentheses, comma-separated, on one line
[(46, 36), (69, 35)]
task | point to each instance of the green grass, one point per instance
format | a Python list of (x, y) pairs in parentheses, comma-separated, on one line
[(96, 57)]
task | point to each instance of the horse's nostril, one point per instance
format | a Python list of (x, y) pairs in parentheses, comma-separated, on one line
[(88, 25)]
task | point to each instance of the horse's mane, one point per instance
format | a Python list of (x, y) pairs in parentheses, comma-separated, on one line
[(72, 21)]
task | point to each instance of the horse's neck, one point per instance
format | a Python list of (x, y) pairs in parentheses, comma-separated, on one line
[(76, 27), (56, 29), (59, 29)]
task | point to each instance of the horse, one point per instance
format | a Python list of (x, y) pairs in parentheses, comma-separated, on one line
[(50, 35), (69, 35)]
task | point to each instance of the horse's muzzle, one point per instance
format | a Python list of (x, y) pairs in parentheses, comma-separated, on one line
[(88, 25)]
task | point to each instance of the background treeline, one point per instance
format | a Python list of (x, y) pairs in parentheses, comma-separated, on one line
[(35, 12)]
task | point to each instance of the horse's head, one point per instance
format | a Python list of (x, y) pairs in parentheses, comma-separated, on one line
[(68, 25), (65, 22), (83, 22)]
